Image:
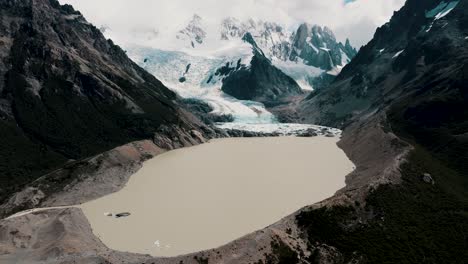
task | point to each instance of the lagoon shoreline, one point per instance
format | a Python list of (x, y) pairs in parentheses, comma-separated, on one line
[(210, 199)]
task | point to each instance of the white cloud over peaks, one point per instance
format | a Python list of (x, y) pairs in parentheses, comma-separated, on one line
[(127, 18)]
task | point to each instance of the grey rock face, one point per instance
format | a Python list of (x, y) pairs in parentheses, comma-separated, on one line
[(318, 47)]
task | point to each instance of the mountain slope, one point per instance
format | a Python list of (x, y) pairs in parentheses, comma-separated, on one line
[(412, 54), (410, 83), (403, 102), (68, 93)]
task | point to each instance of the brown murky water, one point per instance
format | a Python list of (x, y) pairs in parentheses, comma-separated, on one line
[(202, 197)]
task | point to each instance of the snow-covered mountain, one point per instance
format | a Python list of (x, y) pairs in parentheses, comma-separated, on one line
[(194, 33), (304, 54), (200, 76), (317, 46), (310, 45), (236, 66), (273, 39)]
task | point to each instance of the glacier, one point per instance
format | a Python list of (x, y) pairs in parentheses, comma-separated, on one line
[(170, 66), (188, 62)]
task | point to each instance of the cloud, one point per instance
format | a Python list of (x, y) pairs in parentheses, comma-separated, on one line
[(356, 19)]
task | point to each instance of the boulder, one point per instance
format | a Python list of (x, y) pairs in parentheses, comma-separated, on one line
[(427, 178)]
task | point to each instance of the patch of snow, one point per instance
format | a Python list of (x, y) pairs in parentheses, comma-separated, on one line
[(335, 71), (466, 37), (398, 54), (440, 11), (344, 58), (382, 50), (304, 84), (71, 17), (325, 49), (312, 46), (443, 9), (430, 27)]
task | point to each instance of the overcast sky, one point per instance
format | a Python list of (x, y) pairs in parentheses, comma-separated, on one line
[(356, 20)]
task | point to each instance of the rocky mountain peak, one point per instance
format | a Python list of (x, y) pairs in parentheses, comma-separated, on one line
[(310, 44), (231, 28), (322, 32), (348, 43), (193, 32), (317, 46)]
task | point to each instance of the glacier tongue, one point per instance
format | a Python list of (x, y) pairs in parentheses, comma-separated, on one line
[(281, 128), (170, 66), (194, 63), (200, 80)]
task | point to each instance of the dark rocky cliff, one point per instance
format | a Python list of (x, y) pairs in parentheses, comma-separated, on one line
[(411, 55), (67, 93), (260, 81), (410, 82)]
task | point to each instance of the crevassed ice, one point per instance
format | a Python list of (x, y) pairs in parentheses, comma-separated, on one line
[(170, 66), (202, 83)]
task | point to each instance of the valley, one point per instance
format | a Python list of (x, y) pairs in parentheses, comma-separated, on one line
[(222, 139)]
